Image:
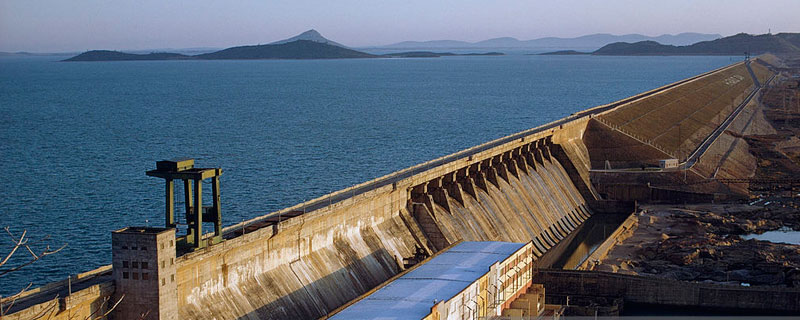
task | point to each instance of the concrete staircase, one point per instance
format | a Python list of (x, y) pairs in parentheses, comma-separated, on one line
[(752, 74), (632, 135), (529, 304)]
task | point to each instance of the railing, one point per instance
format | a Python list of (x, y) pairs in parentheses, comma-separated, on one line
[(701, 149), (634, 136), (516, 273), (691, 160)]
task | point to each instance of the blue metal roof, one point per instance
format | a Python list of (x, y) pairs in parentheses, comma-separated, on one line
[(412, 295)]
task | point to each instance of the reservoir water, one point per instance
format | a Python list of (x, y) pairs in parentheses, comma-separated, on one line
[(78, 137)]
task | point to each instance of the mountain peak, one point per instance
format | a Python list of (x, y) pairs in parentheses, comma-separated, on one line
[(310, 35)]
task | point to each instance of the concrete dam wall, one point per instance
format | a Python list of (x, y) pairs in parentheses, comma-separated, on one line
[(307, 266), (517, 199)]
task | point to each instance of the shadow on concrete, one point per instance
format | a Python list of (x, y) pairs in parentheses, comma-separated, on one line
[(324, 295)]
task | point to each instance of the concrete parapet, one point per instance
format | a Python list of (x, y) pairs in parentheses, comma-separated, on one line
[(90, 302)]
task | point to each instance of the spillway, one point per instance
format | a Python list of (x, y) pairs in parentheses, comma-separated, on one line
[(529, 200)]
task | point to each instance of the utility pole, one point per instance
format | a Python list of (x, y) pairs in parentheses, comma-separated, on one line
[(685, 167), (785, 112), (797, 99)]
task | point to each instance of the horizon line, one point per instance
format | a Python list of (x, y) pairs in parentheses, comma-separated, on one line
[(378, 46)]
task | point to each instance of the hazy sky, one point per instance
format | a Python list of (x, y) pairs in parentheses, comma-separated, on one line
[(78, 25)]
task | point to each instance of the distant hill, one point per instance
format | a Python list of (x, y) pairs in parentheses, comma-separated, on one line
[(307, 45), (300, 49), (35, 54), (588, 42), (183, 51), (733, 45), (310, 35), (565, 53), (107, 55), (429, 54), (435, 44), (793, 38)]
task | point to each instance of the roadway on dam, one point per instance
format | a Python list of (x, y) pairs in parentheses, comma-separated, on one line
[(703, 147), (709, 140)]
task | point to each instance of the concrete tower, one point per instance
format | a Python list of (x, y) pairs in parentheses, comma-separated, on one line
[(144, 273)]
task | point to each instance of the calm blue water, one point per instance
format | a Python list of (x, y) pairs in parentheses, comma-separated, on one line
[(77, 138)]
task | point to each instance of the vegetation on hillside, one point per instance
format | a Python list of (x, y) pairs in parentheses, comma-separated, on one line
[(107, 55), (734, 45), (300, 49)]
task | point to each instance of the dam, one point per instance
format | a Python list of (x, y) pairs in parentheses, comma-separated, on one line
[(537, 186)]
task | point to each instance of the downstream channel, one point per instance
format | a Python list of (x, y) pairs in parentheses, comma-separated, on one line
[(589, 236)]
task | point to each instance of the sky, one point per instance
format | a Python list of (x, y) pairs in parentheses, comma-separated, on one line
[(80, 25)]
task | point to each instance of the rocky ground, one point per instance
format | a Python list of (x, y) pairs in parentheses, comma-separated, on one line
[(778, 154), (703, 243)]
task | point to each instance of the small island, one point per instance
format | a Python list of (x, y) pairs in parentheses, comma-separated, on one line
[(108, 55), (429, 54), (565, 53)]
